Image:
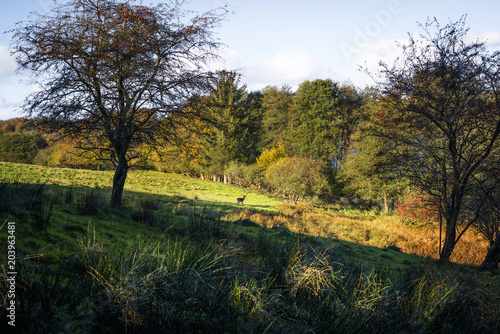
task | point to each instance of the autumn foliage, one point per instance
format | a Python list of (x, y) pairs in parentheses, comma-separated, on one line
[(416, 209)]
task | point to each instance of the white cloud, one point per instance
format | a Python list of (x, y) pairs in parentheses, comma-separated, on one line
[(11, 100), (231, 60), (7, 64), (8, 113), (367, 58), (491, 38), (289, 65), (7, 110), (387, 50), (369, 55)]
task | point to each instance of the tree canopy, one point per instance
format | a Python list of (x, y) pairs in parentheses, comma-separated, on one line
[(108, 70), (441, 111), (316, 107)]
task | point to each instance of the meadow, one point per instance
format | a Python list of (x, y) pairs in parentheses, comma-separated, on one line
[(182, 256)]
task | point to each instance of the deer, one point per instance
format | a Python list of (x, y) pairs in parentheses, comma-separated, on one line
[(240, 200)]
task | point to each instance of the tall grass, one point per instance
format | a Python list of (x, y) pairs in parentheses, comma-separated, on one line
[(371, 230), (145, 285), (28, 201), (296, 269)]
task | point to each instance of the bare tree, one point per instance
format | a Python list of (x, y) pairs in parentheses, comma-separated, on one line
[(487, 197), (115, 74), (442, 116)]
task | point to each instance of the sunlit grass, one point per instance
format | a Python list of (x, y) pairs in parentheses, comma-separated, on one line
[(178, 192), (382, 231), (181, 256), (149, 183)]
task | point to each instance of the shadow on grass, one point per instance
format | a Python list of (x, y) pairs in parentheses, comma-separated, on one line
[(183, 270)]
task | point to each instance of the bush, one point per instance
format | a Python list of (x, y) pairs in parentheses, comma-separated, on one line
[(415, 209), (145, 213), (19, 199), (245, 174), (299, 178), (40, 209), (91, 202), (271, 156)]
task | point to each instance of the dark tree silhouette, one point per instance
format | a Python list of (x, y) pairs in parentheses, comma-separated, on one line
[(115, 74), (442, 116)]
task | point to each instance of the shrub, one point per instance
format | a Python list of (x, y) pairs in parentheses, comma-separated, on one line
[(92, 202), (416, 209), (40, 209), (271, 156), (299, 178), (145, 213), (245, 174), (19, 199)]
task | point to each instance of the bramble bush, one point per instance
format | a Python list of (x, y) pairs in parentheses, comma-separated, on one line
[(417, 210)]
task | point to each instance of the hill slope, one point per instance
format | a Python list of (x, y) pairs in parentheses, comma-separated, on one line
[(182, 256)]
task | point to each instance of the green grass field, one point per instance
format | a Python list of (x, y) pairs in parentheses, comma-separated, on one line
[(140, 184), (180, 256)]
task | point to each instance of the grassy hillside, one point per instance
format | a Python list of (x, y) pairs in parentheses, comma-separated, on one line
[(182, 256)]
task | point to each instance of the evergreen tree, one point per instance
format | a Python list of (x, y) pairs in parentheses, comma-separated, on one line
[(21, 148), (315, 112), (235, 117), (277, 104), (369, 171)]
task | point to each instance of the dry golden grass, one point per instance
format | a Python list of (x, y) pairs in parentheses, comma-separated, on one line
[(372, 230)]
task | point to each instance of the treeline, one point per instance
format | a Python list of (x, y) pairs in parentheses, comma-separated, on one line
[(307, 144), (303, 144), (294, 143), (17, 144)]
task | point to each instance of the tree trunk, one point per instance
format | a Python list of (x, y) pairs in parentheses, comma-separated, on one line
[(119, 182), (493, 256), (451, 214), (449, 240)]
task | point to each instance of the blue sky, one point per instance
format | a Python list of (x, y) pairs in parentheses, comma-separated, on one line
[(277, 42)]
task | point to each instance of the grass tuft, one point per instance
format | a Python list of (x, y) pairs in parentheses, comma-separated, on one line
[(92, 202)]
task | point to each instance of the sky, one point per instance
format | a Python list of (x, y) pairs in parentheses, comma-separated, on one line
[(285, 42)]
